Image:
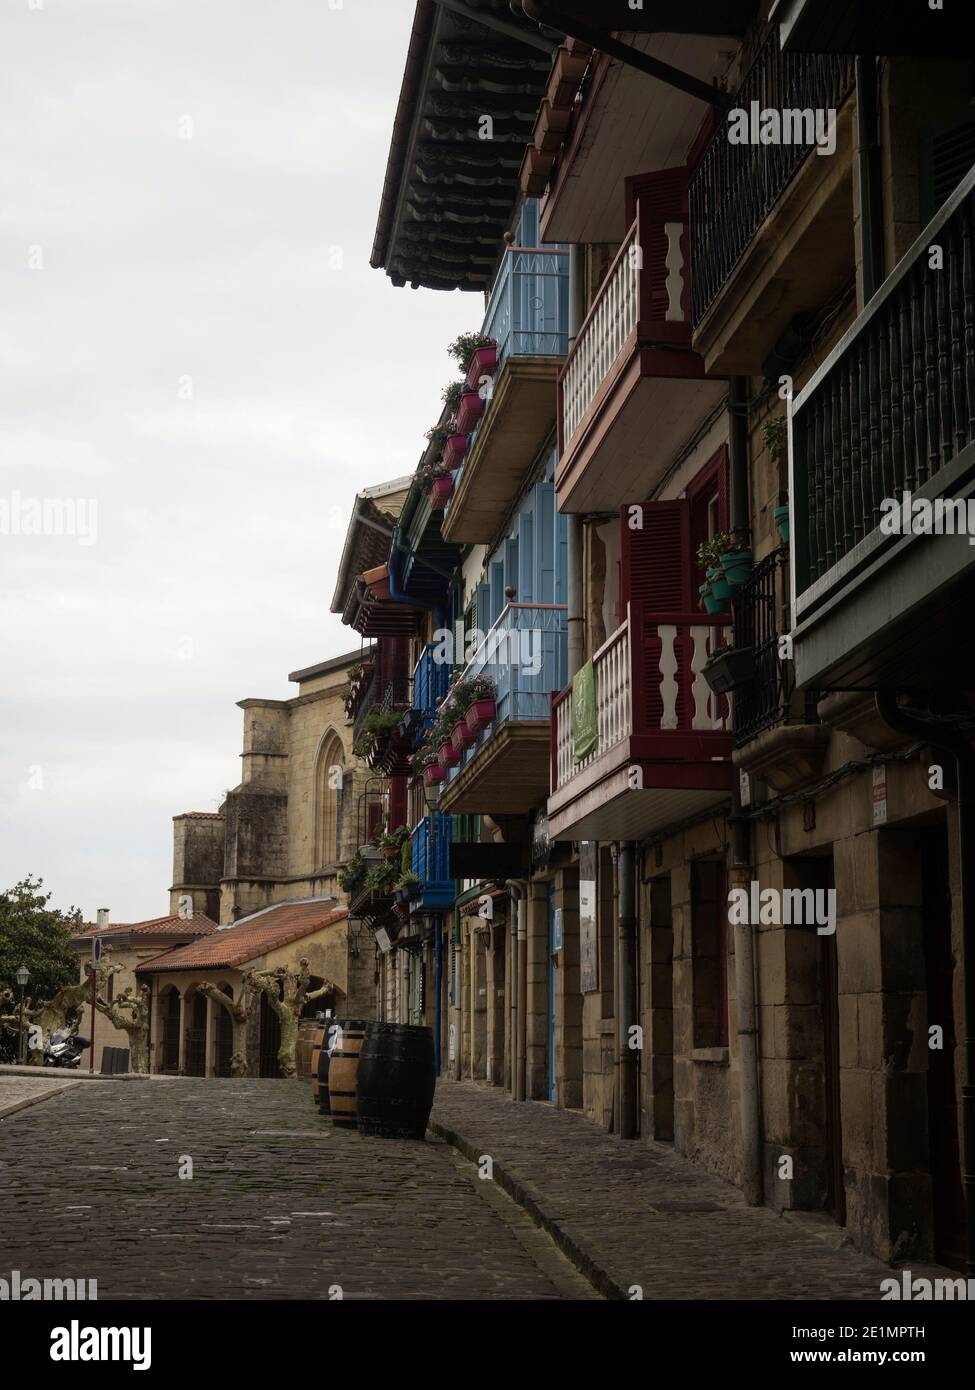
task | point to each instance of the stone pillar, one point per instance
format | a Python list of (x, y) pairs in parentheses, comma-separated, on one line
[(568, 1000), (536, 1068), (479, 1000), (494, 981)]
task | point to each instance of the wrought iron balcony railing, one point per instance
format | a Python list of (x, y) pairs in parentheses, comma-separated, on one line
[(734, 187), (893, 403), (760, 607)]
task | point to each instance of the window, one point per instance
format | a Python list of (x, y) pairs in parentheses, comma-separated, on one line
[(709, 942), (707, 494), (329, 799)]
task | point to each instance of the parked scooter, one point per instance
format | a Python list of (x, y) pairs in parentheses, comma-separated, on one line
[(64, 1049)]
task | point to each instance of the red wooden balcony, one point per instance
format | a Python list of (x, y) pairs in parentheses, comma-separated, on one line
[(663, 749), (631, 388)]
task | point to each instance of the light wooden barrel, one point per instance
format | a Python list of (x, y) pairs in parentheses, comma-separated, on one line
[(307, 1031), (317, 1041), (343, 1066)]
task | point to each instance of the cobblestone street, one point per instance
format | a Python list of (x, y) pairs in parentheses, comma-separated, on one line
[(280, 1205)]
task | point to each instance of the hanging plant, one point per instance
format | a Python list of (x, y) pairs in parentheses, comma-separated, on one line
[(775, 436), (463, 347)]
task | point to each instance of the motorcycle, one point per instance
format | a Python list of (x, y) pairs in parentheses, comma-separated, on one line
[(64, 1049)]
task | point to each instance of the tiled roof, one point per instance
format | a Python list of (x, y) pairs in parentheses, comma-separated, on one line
[(252, 936), (196, 925), (200, 815)]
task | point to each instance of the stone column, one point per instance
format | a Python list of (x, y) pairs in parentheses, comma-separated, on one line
[(568, 1000), (536, 1069)]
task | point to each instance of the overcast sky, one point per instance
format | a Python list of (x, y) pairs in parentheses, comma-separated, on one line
[(192, 339)]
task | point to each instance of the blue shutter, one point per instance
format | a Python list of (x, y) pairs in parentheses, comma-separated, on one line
[(497, 592), (526, 554), (545, 549), (511, 565), (561, 558), (482, 608)]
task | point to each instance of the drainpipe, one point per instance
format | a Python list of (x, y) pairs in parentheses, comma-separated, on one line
[(950, 741), (870, 178), (741, 866), (519, 1036), (438, 986), (575, 620), (627, 1009)]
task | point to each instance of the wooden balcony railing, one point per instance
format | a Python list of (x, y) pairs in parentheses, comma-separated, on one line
[(734, 187), (610, 322), (649, 690), (893, 403)]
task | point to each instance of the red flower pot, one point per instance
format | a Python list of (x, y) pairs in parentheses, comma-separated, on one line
[(461, 736), (441, 490), (433, 774), (482, 363), (454, 450), (446, 754), (469, 411), (480, 714)]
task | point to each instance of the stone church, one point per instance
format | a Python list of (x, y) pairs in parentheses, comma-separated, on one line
[(285, 831)]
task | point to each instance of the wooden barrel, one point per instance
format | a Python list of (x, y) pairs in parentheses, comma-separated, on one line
[(397, 1076), (318, 1038), (307, 1031), (343, 1065)]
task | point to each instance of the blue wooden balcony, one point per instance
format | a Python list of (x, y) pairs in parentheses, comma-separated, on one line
[(506, 770), (430, 861), (431, 681)]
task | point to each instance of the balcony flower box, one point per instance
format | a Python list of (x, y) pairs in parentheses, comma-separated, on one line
[(729, 669), (480, 713), (469, 411), (440, 491), (461, 736), (446, 754), (484, 362), (454, 450), (433, 774)]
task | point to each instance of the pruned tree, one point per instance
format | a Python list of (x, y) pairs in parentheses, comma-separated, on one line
[(287, 993), (63, 1010), (10, 1016), (239, 1011), (128, 1011)]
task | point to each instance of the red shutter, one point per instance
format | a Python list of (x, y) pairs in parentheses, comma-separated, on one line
[(658, 201), (655, 557)]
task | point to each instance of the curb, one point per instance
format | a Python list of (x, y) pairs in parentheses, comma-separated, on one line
[(35, 1100), (600, 1278)]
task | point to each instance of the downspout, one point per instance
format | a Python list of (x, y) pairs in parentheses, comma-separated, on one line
[(438, 986), (741, 866), (869, 178), (519, 988), (575, 620), (951, 742), (627, 1010)]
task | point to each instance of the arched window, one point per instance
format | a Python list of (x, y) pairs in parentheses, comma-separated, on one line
[(330, 798)]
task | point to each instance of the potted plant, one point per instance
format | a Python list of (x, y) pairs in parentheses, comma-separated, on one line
[(781, 516), (407, 888), (440, 492), (454, 450), (465, 345), (469, 411), (352, 875), (381, 878), (729, 668), (711, 604), (720, 587), (736, 564), (482, 708), (451, 395)]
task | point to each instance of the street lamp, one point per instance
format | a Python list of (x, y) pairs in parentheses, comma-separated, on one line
[(431, 794), (21, 975)]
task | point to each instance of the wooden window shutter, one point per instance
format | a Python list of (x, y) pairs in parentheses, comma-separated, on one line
[(655, 558), (658, 202)]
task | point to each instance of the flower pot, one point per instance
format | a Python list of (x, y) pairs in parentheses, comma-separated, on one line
[(480, 713), (781, 515), (483, 362), (433, 774), (389, 852), (729, 669), (441, 490), (454, 450), (461, 736), (711, 604), (736, 566), (446, 755), (469, 411), (720, 587)]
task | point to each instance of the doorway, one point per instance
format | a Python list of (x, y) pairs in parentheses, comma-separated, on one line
[(196, 1036), (170, 1010), (270, 1039)]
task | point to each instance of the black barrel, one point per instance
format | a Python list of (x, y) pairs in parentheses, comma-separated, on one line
[(395, 1081)]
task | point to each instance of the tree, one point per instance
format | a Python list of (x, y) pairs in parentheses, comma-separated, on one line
[(239, 1011), (130, 1012), (287, 993), (35, 935)]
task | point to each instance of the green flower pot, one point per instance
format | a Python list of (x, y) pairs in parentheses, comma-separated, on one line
[(781, 515), (720, 587), (711, 604), (737, 565)]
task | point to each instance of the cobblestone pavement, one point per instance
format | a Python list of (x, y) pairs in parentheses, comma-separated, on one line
[(280, 1205), (635, 1213), (18, 1091)]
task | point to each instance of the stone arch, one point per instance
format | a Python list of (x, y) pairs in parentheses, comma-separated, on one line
[(170, 1023), (195, 1018), (332, 794)]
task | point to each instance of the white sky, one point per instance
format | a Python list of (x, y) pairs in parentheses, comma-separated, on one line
[(219, 519)]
